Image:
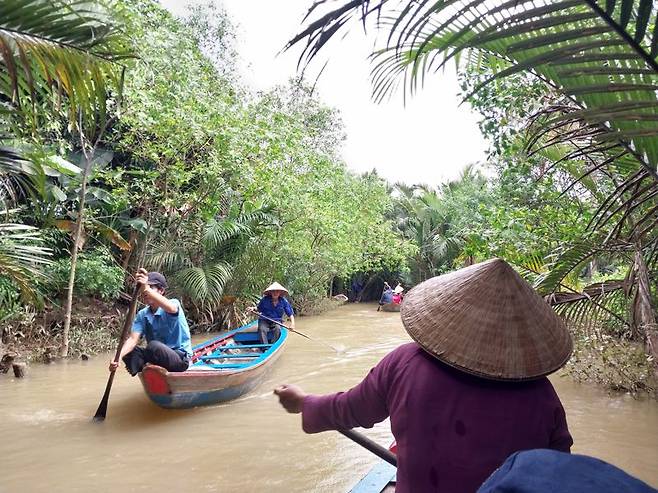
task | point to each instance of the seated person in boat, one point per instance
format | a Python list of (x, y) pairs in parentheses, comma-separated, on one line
[(541, 471), (387, 296), (273, 305), (397, 294), (471, 389), (162, 323)]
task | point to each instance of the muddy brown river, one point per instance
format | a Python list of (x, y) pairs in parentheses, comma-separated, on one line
[(48, 442)]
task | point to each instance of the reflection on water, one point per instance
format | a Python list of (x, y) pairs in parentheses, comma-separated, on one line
[(49, 443)]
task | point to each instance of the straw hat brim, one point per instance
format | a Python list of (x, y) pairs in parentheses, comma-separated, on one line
[(487, 321), (275, 286)]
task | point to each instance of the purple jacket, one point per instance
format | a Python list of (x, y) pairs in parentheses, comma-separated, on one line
[(452, 429)]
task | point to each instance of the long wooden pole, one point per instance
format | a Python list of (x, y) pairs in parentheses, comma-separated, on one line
[(374, 447), (260, 315), (127, 325)]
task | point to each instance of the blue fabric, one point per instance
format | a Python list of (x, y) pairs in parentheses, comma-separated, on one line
[(387, 297), (549, 471), (170, 329), (265, 307)]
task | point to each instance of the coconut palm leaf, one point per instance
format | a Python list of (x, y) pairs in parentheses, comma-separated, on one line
[(169, 258), (204, 285), (565, 261), (597, 302), (220, 230), (14, 175), (602, 55), (54, 51), (21, 256)]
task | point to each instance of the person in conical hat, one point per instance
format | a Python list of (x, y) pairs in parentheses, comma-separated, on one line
[(397, 294), (271, 309), (469, 391)]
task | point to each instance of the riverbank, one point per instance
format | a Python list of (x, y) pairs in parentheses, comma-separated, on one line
[(35, 337), (618, 367)]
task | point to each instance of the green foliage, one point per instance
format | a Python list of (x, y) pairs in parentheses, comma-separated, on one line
[(96, 275), (55, 52), (601, 55), (614, 363), (22, 257), (9, 299)]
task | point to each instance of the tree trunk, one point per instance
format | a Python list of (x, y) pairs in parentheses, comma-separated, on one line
[(643, 313), (64, 349)]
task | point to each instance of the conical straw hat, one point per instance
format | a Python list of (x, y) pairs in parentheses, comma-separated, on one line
[(398, 289), (487, 321), (275, 286)]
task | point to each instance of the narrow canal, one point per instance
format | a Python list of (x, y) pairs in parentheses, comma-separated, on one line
[(48, 442)]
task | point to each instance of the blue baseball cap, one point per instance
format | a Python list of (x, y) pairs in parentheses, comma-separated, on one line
[(157, 279)]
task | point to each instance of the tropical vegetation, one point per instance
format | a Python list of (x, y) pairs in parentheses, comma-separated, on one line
[(128, 140)]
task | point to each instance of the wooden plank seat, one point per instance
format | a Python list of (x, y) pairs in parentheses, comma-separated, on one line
[(229, 366), (242, 355), (243, 346)]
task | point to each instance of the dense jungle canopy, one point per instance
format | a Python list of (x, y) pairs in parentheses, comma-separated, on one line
[(129, 139)]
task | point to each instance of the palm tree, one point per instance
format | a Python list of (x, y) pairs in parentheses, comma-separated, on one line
[(21, 256), (57, 56), (59, 59), (600, 56), (201, 256)]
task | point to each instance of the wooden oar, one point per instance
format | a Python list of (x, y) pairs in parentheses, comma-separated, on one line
[(295, 331), (373, 447), (127, 325)]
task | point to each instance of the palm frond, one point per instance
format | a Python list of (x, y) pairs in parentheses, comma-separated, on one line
[(168, 259), (204, 285), (54, 50), (22, 257), (587, 310), (564, 262), (599, 54)]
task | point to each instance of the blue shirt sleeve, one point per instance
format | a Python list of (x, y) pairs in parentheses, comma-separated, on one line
[(138, 323), (260, 304), (177, 303), (288, 308)]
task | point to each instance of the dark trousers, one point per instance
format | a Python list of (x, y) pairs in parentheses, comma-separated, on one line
[(264, 327), (155, 353)]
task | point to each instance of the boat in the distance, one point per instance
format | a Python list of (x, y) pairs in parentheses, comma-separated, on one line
[(391, 307), (221, 369)]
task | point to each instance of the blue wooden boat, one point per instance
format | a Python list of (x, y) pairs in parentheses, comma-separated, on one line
[(380, 479), (222, 369)]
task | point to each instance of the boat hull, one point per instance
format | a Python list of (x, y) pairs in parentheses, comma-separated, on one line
[(204, 387), (391, 307), (380, 479)]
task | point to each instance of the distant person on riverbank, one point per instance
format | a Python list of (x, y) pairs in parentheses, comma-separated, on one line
[(469, 392), (273, 305), (357, 288), (387, 296), (163, 324)]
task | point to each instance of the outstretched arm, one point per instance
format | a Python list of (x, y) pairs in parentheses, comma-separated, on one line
[(363, 405)]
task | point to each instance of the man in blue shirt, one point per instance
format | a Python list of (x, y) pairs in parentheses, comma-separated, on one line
[(273, 305), (163, 324)]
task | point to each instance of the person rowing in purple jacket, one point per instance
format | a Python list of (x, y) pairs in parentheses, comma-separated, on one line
[(471, 389)]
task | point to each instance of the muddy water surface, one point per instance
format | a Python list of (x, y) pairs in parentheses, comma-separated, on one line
[(49, 444)]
